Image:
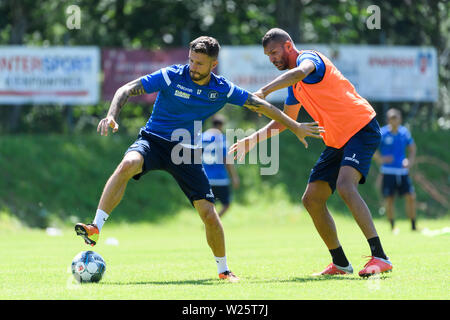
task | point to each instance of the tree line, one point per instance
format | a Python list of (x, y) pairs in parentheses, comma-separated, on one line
[(155, 24)]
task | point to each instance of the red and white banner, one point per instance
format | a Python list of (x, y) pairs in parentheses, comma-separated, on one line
[(65, 75), (121, 66)]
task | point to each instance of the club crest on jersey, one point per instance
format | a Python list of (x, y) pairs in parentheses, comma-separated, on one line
[(213, 95)]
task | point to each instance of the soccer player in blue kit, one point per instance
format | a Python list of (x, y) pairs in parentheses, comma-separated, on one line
[(186, 94), (218, 164), (395, 164)]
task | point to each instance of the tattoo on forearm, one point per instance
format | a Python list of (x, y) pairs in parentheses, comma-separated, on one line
[(120, 98), (254, 103), (132, 89), (137, 90), (257, 104)]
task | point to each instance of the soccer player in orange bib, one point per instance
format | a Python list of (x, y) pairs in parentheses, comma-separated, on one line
[(351, 136)]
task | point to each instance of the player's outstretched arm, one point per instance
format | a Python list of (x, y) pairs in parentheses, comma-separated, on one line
[(133, 88), (243, 146), (274, 127), (301, 130), (288, 78)]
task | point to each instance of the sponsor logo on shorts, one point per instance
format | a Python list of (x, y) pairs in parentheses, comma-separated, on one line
[(210, 194), (352, 159)]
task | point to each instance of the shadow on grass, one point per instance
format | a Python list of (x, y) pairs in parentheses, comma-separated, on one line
[(313, 279), (210, 282), (163, 283), (319, 278)]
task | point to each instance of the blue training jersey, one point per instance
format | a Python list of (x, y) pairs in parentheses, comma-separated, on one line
[(394, 145), (214, 157), (180, 102)]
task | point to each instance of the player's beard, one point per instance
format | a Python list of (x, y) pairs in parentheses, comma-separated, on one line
[(283, 63), (280, 65), (198, 76)]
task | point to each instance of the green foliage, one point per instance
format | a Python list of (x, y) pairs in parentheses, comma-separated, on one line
[(146, 25), (46, 174), (143, 24), (53, 177)]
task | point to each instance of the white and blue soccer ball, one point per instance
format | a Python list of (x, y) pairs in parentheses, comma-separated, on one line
[(88, 266)]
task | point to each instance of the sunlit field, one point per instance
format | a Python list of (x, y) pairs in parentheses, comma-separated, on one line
[(273, 250)]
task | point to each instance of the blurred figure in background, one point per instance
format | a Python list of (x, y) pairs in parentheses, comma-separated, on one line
[(218, 169), (395, 164)]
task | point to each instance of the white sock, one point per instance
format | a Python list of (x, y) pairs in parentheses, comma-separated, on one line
[(221, 264), (100, 218)]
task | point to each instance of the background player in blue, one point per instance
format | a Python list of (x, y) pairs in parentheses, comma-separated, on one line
[(186, 94), (220, 172), (395, 165)]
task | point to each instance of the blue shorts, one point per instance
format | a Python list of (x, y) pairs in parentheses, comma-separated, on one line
[(393, 183), (222, 193), (191, 177), (356, 153)]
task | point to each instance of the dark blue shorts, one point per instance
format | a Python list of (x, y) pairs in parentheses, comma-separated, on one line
[(222, 193), (356, 153), (393, 183), (191, 177)]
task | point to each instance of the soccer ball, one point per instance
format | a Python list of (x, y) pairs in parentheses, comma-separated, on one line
[(88, 266)]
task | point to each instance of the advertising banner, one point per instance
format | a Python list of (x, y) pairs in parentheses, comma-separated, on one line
[(63, 75), (379, 73), (121, 66)]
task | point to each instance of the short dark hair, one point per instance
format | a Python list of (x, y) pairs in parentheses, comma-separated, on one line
[(393, 113), (276, 34), (206, 45)]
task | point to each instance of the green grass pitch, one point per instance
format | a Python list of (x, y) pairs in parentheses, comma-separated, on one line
[(273, 249)]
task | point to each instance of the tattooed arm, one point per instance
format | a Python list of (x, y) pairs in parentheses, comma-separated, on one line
[(301, 130), (133, 88), (259, 105)]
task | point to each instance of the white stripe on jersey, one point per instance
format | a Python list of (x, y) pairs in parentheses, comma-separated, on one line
[(231, 91), (166, 76)]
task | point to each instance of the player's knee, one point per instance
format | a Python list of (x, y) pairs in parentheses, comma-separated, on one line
[(211, 218), (411, 196), (208, 215), (306, 200), (345, 189), (130, 166), (389, 200), (310, 200)]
